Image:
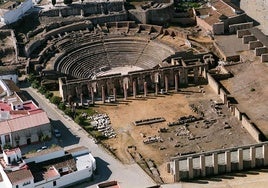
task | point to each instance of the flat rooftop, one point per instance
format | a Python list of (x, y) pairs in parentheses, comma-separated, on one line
[(230, 44)]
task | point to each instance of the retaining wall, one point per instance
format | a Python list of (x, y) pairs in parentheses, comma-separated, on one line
[(254, 44), (213, 84), (223, 96), (250, 128), (219, 161), (235, 27), (247, 38), (241, 33), (261, 50), (264, 57)]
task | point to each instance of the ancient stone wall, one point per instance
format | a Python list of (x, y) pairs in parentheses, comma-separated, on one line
[(264, 57), (250, 128), (157, 16), (219, 161), (213, 83), (234, 27)]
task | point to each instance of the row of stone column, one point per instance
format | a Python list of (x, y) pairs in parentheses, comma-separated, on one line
[(134, 89), (227, 159), (180, 77)]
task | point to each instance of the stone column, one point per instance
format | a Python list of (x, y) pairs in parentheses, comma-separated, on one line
[(190, 167), (202, 165), (228, 161), (125, 92), (176, 82), (252, 153), (145, 88), (166, 83), (77, 91), (181, 75), (81, 98), (92, 95), (215, 163), (186, 76), (195, 75), (114, 93), (156, 89), (265, 154), (240, 158), (103, 94), (134, 89), (176, 170)]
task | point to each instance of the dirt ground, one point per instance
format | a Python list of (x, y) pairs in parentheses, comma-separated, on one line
[(205, 136), (249, 87)]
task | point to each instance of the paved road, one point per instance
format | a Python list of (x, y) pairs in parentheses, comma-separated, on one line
[(108, 168)]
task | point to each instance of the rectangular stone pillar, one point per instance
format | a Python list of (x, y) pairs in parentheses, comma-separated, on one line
[(156, 89), (215, 163), (81, 98), (176, 170), (252, 153), (195, 75), (176, 82), (240, 158), (92, 95), (190, 167), (125, 92), (145, 88), (114, 93), (134, 89), (102, 94), (186, 76), (265, 154), (228, 161), (202, 165), (166, 83)]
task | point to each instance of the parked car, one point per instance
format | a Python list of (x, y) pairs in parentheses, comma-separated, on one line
[(42, 148), (57, 133)]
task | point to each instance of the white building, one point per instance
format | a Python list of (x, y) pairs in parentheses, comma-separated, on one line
[(53, 167), (12, 10)]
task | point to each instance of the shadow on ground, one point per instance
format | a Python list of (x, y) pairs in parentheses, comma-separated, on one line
[(102, 174)]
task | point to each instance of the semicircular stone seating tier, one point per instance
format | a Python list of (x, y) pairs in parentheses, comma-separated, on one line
[(100, 55)]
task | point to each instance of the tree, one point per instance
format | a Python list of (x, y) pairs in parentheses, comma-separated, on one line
[(55, 100), (67, 2), (53, 2), (48, 94), (79, 120), (35, 84), (62, 106), (42, 89)]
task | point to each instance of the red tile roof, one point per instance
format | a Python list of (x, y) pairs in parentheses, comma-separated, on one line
[(4, 128), (29, 121), (20, 176), (24, 122)]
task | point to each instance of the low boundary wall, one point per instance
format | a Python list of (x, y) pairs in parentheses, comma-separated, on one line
[(219, 161), (249, 126)]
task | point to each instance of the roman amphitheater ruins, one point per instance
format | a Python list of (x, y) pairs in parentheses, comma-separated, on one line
[(177, 98)]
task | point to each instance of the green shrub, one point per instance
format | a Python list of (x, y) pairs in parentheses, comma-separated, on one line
[(67, 2), (62, 106), (68, 112), (79, 120), (35, 84), (48, 94), (42, 90), (55, 100)]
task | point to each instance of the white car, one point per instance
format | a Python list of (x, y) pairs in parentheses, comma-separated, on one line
[(57, 133)]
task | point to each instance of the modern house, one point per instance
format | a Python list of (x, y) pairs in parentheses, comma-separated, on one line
[(12, 10), (221, 16), (21, 122), (49, 168)]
